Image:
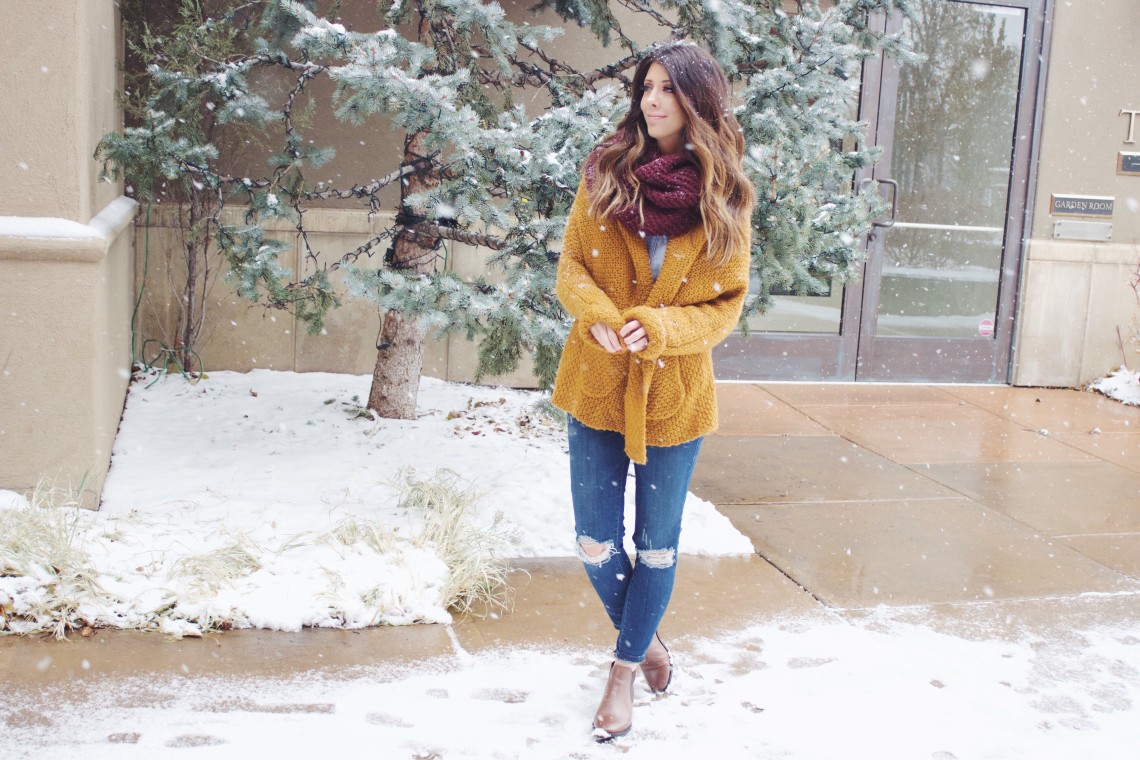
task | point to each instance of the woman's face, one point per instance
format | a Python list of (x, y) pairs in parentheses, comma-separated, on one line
[(662, 112)]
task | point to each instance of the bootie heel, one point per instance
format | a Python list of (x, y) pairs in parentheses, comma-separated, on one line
[(658, 668)]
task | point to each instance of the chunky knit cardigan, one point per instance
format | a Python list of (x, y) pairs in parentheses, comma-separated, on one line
[(664, 395)]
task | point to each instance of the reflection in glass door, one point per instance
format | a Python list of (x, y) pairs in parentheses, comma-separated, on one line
[(931, 302)]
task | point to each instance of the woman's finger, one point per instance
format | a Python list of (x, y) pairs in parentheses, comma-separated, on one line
[(634, 335), (606, 337)]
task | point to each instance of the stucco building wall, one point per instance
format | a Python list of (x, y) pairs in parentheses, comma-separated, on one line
[(65, 248), (1075, 301)]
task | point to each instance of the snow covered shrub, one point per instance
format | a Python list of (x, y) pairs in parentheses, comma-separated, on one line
[(471, 551), (45, 573)]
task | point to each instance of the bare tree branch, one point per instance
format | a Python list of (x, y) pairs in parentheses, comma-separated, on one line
[(458, 235), (427, 163), (637, 6)]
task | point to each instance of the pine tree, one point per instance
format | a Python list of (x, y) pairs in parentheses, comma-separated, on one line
[(451, 77), (178, 36)]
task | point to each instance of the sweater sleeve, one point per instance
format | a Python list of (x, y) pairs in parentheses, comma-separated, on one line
[(677, 330), (576, 289)]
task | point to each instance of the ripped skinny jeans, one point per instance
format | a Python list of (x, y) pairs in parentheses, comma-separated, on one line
[(635, 595)]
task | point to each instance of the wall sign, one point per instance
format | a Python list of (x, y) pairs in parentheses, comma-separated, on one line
[(1081, 205), (1131, 114), (1128, 163), (1072, 229)]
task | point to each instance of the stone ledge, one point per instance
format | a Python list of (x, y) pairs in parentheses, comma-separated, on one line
[(54, 239), (1082, 252)]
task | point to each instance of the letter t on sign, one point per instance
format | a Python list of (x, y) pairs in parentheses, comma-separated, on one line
[(1131, 125)]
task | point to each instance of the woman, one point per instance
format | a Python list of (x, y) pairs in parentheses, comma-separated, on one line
[(654, 270)]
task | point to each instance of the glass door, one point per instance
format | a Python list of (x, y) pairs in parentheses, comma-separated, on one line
[(940, 276), (936, 299)]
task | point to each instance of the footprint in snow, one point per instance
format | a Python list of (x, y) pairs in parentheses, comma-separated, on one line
[(124, 738), (809, 662), (383, 719), (195, 740), (510, 696)]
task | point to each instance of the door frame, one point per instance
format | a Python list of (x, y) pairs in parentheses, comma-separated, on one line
[(954, 359)]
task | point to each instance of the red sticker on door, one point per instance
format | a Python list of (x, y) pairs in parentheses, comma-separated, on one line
[(986, 328)]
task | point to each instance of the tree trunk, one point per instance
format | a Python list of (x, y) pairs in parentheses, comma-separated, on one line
[(396, 377), (400, 355)]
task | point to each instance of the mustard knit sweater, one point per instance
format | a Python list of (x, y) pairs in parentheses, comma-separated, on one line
[(664, 395)]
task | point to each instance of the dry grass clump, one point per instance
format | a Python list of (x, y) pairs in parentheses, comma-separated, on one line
[(220, 567), (478, 573), (356, 530), (49, 581), (39, 543)]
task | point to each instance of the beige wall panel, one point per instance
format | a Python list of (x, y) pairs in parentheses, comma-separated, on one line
[(237, 335), (245, 336), (155, 277), (437, 358), (1082, 128), (1074, 297), (63, 55), (348, 341), (1050, 339), (464, 361), (347, 345), (99, 83), (471, 262), (1112, 315), (40, 121), (45, 397), (164, 268)]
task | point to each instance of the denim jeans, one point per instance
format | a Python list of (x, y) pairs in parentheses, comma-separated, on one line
[(635, 596)]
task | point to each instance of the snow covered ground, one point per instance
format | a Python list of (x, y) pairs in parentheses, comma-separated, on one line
[(808, 689), (255, 500)]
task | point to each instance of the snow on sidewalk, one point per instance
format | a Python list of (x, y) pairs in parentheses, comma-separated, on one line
[(246, 500), (802, 689)]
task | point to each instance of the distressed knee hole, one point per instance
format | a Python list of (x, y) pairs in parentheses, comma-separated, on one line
[(593, 553), (658, 558)]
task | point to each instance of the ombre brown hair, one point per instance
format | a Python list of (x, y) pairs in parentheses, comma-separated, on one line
[(711, 137)]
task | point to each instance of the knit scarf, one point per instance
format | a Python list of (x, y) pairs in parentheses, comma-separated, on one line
[(670, 193)]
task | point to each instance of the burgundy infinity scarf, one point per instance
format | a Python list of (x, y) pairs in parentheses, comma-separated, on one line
[(670, 193)]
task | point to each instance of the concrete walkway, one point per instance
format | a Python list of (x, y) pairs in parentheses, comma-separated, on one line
[(980, 509)]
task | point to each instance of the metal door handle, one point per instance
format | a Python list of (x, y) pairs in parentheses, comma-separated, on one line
[(894, 199)]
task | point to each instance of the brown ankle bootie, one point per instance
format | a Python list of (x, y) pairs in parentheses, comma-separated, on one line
[(615, 713), (658, 667)]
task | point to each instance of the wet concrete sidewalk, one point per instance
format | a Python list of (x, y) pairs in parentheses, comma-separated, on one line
[(978, 509)]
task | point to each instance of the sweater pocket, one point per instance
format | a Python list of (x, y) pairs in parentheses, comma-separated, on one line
[(667, 392), (601, 372)]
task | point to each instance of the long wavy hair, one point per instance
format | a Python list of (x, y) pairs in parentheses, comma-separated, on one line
[(711, 137)]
